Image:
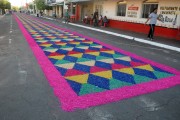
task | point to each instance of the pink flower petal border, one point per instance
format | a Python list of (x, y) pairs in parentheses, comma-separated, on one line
[(70, 101)]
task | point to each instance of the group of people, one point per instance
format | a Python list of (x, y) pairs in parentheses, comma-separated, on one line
[(96, 19)]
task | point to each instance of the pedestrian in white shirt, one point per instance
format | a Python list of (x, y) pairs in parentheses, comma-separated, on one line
[(153, 17)]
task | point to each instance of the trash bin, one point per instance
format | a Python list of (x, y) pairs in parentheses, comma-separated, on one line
[(37, 15)]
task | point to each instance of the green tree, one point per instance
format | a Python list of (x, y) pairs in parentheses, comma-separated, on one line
[(31, 6), (40, 4), (5, 4)]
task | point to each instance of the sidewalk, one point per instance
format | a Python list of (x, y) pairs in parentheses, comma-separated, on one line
[(167, 43)]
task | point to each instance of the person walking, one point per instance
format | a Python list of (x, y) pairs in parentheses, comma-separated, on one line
[(153, 17), (95, 18), (67, 17)]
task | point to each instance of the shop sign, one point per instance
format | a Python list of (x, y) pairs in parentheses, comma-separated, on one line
[(169, 14), (132, 11)]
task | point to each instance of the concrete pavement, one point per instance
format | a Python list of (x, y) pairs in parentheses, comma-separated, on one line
[(26, 95)]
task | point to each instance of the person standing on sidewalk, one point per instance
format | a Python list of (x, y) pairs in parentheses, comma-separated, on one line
[(153, 17)]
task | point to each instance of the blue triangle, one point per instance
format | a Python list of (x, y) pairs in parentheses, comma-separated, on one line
[(98, 81), (123, 77), (106, 55), (160, 70), (126, 63), (61, 70), (144, 73), (83, 68), (75, 86), (103, 65)]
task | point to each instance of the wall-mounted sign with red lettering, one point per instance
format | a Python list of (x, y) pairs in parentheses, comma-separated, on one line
[(133, 8)]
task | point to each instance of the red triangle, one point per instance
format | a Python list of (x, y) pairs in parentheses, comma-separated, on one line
[(118, 66), (55, 54), (95, 69), (86, 41), (135, 64), (59, 42), (73, 72), (87, 51), (104, 49), (73, 52)]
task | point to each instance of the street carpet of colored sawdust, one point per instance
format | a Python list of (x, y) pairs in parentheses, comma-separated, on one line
[(87, 66)]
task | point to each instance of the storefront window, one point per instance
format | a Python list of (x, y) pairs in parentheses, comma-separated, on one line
[(74, 10), (148, 8), (121, 8)]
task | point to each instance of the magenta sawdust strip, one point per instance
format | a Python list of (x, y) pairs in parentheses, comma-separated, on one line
[(67, 88)]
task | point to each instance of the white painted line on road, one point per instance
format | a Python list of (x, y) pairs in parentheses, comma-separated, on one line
[(10, 41), (131, 38), (127, 37)]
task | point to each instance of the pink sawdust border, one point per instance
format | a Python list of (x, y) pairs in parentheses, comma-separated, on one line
[(67, 97)]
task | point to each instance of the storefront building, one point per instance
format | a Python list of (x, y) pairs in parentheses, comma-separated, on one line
[(57, 6), (132, 14)]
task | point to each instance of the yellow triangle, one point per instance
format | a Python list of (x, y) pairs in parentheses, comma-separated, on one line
[(39, 38), (105, 74), (46, 45), (76, 43), (88, 42), (110, 52), (127, 70), (146, 67), (58, 57), (94, 53), (66, 66), (61, 43), (126, 58), (79, 78), (88, 63), (77, 55)]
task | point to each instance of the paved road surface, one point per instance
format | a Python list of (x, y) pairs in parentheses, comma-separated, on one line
[(25, 93)]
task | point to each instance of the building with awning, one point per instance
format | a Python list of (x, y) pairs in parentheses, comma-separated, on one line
[(57, 6)]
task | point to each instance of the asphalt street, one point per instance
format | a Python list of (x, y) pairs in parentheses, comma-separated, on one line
[(26, 95)]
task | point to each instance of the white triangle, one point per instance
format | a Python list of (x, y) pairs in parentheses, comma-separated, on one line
[(99, 46), (107, 60), (85, 47), (126, 58), (66, 66), (68, 49), (88, 63)]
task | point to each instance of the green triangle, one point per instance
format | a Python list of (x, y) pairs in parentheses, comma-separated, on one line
[(139, 79), (117, 55), (62, 62), (81, 45), (94, 44), (101, 57), (88, 88), (162, 74), (48, 48), (114, 83), (65, 46), (83, 60)]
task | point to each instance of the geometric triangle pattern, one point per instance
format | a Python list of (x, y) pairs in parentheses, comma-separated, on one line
[(87, 66)]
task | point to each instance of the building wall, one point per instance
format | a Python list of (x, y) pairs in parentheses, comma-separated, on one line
[(110, 10), (133, 21)]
